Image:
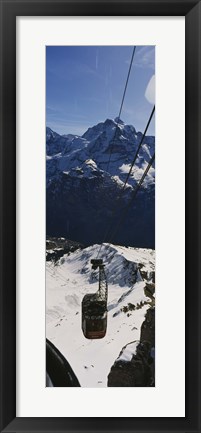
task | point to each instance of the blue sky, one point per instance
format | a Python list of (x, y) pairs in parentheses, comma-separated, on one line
[(85, 84)]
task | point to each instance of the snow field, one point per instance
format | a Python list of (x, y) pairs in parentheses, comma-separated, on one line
[(66, 285)]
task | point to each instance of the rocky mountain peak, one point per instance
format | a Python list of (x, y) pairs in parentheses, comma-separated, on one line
[(119, 121), (82, 185)]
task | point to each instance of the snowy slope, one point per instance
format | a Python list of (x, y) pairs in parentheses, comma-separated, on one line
[(70, 280)]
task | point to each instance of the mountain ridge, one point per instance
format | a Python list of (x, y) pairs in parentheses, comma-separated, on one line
[(86, 174)]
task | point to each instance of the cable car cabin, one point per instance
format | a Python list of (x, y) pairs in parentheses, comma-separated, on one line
[(94, 307), (94, 316)]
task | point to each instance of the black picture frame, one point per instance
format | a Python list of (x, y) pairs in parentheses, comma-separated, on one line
[(191, 9)]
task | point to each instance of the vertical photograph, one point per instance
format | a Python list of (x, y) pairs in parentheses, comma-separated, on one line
[(100, 216)]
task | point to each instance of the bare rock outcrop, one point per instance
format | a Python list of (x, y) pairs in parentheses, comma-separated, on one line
[(138, 369)]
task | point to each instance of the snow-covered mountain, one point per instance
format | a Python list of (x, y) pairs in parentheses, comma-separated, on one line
[(130, 271), (85, 176)]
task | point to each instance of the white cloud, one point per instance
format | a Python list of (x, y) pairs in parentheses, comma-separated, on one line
[(145, 57), (150, 90)]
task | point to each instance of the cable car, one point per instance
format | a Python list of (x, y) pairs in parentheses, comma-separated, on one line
[(94, 306)]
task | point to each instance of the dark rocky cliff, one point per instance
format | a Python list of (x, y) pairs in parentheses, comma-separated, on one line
[(140, 370)]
